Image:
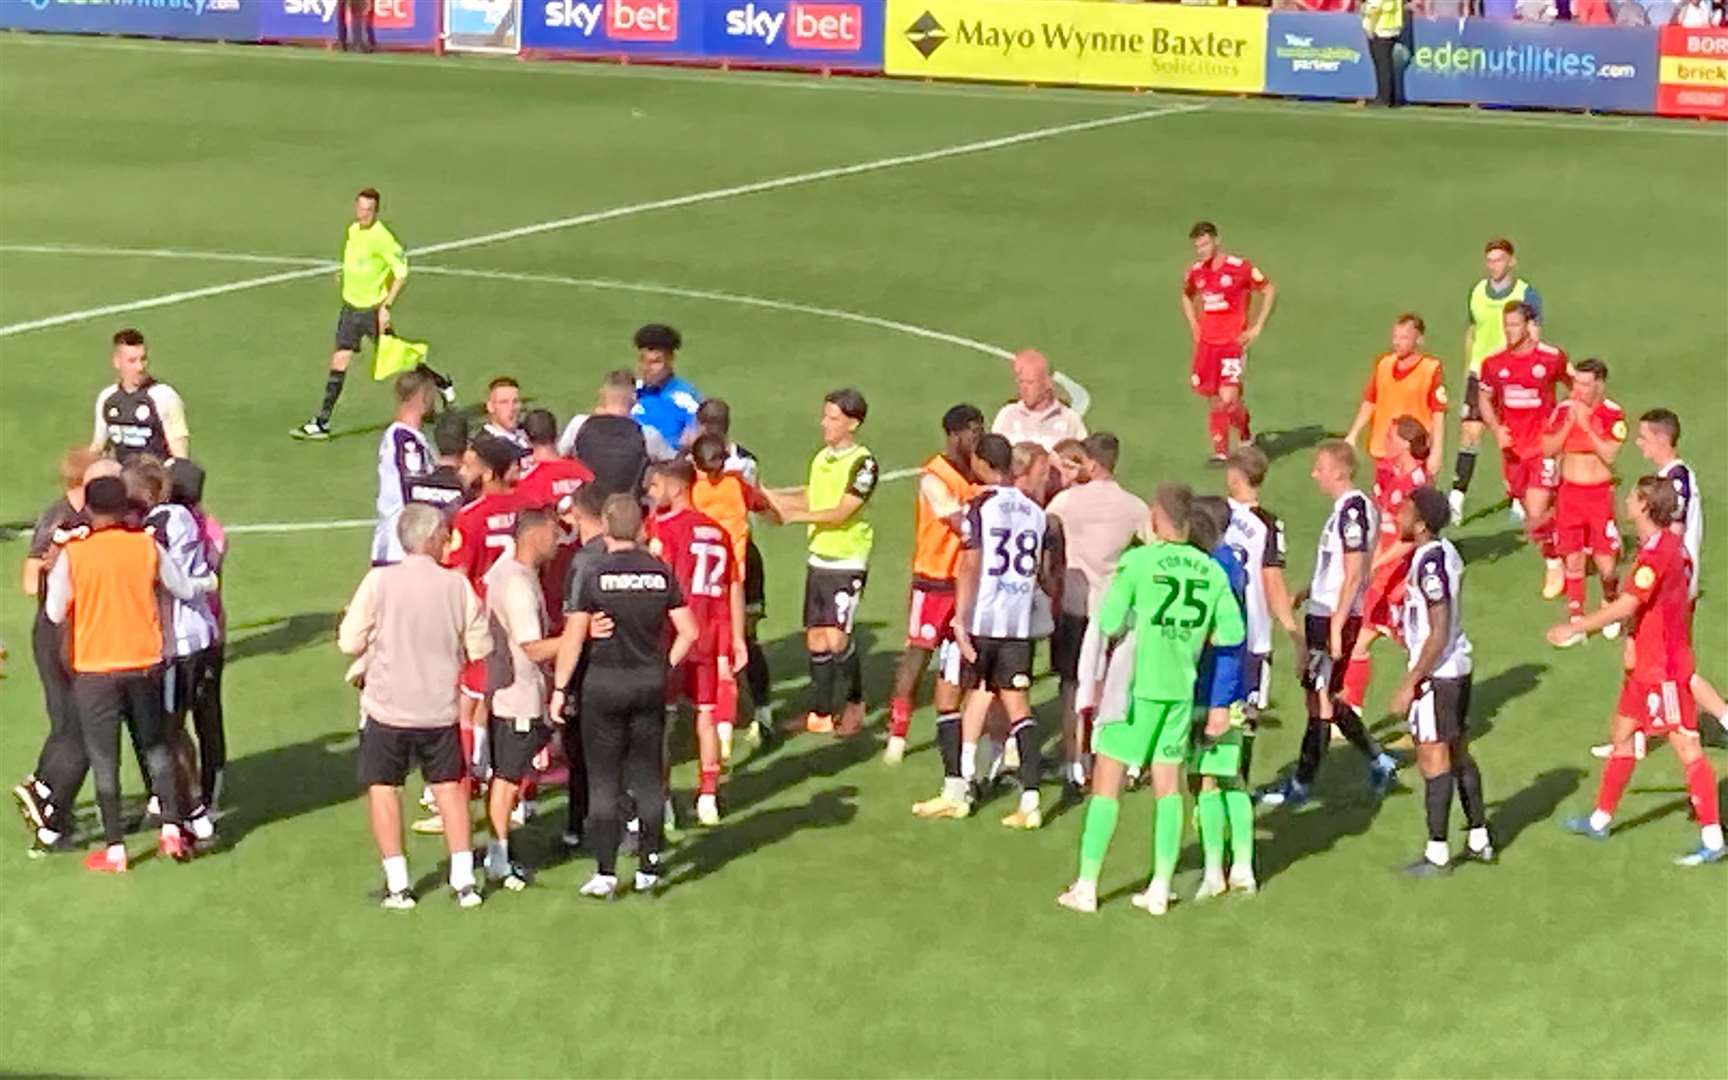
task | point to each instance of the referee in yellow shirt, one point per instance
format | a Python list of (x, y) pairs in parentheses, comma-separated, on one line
[(374, 269)]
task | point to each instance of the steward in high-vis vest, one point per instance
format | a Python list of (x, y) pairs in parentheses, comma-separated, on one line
[(843, 476), (1383, 22)]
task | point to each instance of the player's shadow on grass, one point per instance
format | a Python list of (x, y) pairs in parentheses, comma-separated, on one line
[(713, 849), (285, 782), (1278, 444), (1342, 808), (1490, 548), (1536, 801), (280, 635)]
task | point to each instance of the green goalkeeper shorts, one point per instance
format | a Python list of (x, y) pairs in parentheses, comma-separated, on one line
[(1215, 757), (1155, 732)]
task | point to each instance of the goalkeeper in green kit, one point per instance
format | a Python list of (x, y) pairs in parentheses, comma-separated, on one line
[(1175, 598)]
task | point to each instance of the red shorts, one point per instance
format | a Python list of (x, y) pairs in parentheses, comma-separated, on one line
[(474, 679), (1385, 596), (1584, 520), (930, 617), (1659, 707), (1216, 365), (1524, 473), (698, 678)]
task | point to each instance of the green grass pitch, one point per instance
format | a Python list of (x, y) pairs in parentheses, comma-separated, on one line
[(822, 930)]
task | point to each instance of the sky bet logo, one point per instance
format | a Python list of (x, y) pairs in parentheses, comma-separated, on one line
[(624, 20), (830, 27), (386, 14)]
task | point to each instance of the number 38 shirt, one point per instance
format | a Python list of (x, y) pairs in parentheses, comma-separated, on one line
[(1008, 530), (484, 530), (1178, 600)]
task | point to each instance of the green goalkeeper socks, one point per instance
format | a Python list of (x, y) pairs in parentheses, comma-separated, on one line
[(1239, 805), (1095, 834), (1166, 837), (1209, 823)]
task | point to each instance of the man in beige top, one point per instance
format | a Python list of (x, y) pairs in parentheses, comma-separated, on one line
[(519, 726), (1098, 520), (414, 625), (1036, 414)]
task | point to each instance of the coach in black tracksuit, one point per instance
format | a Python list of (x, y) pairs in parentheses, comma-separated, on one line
[(623, 702)]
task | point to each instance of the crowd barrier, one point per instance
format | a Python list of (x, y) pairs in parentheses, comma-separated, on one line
[(1157, 46)]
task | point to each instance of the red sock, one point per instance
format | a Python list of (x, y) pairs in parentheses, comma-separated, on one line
[(529, 789), (1543, 537), (899, 717), (1239, 415), (1574, 594), (709, 784), (726, 701), (1218, 427), (1356, 677), (1615, 776), (1701, 788)]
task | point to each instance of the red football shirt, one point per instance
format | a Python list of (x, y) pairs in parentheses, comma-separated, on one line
[(1522, 386), (1392, 485), (545, 484), (484, 530), (1223, 291), (1607, 420), (1661, 579), (699, 552)]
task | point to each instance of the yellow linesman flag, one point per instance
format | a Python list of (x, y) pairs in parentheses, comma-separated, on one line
[(395, 356)]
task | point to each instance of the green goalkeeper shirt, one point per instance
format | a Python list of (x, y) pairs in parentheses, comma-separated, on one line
[(371, 258), (1177, 599)]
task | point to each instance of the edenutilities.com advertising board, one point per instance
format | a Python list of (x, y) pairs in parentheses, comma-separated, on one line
[(816, 33), (1091, 44), (1545, 65)]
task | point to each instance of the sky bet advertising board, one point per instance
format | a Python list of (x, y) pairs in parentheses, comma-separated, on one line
[(205, 20), (401, 24), (814, 33), (1543, 65)]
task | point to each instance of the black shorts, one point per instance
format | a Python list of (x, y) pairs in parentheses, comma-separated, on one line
[(387, 753), (1472, 403), (1319, 670), (831, 597), (353, 325), (755, 581), (188, 679), (1002, 664), (1065, 646), (1441, 711), (514, 744)]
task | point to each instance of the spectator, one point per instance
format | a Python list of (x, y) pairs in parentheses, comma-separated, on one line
[(1592, 13), (1692, 14), (365, 24), (1037, 414), (1500, 10), (415, 625)]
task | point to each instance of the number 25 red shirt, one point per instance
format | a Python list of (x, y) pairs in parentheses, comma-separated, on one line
[(1223, 291)]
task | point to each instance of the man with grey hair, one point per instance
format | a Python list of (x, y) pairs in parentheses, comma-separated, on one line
[(414, 625)]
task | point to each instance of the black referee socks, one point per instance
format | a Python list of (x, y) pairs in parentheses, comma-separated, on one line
[(332, 391), (822, 683), (1464, 469)]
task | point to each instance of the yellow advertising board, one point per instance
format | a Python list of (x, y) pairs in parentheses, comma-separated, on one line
[(1166, 46)]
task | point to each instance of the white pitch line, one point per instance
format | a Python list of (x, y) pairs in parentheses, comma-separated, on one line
[(613, 213)]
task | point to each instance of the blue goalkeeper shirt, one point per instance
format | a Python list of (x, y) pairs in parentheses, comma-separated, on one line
[(1220, 679)]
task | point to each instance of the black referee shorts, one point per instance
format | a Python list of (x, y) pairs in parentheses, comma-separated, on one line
[(354, 325)]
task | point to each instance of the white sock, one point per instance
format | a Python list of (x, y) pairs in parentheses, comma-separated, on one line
[(1711, 835), (396, 873), (1077, 772), (1437, 852), (968, 760), (1028, 800), (43, 791), (633, 825), (1478, 839), (724, 729), (461, 870), (498, 856), (1599, 819), (170, 831), (202, 828), (47, 836), (954, 789), (116, 853)]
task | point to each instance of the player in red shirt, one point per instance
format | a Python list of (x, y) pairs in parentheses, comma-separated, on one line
[(548, 481), (1401, 471), (1585, 432), (1215, 302), (1517, 396), (699, 551), (1656, 697)]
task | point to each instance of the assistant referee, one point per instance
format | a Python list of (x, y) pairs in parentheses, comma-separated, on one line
[(374, 270)]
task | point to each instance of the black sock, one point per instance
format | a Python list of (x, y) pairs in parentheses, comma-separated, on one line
[(441, 380), (852, 666), (1356, 732), (948, 742), (822, 683), (756, 673), (1313, 746), (1464, 469), (1025, 733), (1437, 798), (1247, 756), (332, 391), (1469, 779)]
